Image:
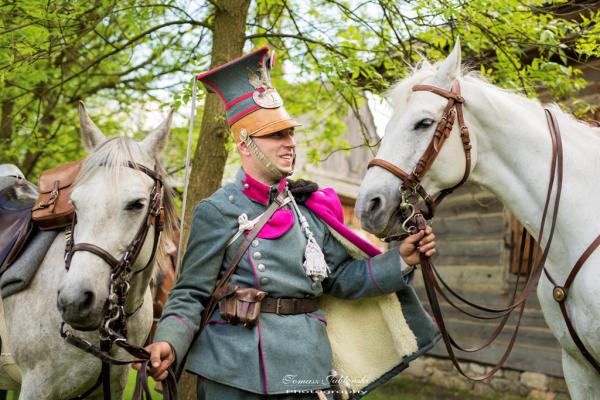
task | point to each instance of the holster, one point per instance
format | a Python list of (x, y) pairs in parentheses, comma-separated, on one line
[(239, 305)]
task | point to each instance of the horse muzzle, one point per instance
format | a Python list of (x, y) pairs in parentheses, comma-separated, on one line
[(80, 309)]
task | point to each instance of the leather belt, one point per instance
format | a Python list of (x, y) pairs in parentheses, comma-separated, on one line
[(289, 306)]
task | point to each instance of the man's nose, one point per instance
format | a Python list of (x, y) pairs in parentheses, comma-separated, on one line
[(290, 141)]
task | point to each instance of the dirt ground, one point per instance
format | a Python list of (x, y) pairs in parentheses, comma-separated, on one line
[(407, 389)]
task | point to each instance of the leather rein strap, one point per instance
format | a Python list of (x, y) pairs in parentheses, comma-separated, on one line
[(113, 329), (452, 111), (430, 274)]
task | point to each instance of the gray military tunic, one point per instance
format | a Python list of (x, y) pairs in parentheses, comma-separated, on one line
[(283, 353)]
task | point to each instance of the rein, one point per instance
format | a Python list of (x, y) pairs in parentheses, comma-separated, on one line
[(113, 328), (417, 221)]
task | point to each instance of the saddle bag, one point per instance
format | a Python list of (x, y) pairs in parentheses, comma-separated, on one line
[(53, 209)]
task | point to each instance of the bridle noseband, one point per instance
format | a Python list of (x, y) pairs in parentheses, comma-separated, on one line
[(412, 182)]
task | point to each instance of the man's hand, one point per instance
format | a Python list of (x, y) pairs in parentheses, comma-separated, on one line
[(423, 241), (161, 357)]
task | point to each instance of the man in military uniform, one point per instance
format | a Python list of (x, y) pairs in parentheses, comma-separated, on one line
[(299, 255)]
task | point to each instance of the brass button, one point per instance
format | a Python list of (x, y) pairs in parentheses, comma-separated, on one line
[(231, 199), (559, 294), (264, 280), (261, 267), (257, 255)]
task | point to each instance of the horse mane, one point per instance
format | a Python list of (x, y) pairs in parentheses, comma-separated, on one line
[(399, 93), (117, 152)]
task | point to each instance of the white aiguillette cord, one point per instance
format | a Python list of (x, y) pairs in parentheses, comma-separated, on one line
[(246, 224), (186, 179)]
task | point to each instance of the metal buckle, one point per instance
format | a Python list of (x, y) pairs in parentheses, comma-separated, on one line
[(278, 305)]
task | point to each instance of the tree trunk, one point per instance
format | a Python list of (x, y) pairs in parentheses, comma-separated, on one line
[(229, 35), (6, 128)]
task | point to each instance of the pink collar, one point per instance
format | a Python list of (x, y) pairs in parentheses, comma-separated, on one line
[(258, 191)]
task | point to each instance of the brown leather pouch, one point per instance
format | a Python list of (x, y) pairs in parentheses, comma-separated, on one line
[(52, 209), (239, 305)]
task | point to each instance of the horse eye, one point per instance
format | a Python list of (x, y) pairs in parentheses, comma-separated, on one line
[(424, 123), (135, 205)]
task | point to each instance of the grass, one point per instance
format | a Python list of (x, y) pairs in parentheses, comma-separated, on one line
[(126, 396), (131, 387)]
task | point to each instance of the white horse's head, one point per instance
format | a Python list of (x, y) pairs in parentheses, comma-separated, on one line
[(409, 132), (111, 200)]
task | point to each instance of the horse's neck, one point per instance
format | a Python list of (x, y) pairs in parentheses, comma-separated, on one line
[(513, 161)]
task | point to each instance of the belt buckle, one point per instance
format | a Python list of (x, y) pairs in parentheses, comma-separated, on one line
[(278, 305)]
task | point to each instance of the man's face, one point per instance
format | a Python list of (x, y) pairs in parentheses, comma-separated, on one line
[(280, 148)]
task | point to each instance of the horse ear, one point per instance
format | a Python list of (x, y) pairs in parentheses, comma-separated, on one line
[(449, 69), (156, 141), (90, 134)]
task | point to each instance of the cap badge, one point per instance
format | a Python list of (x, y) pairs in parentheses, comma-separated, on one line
[(268, 98)]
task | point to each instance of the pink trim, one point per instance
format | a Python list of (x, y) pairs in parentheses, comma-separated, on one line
[(281, 222), (217, 322), (216, 90), (260, 347), (253, 271), (244, 97), (262, 358), (182, 322), (256, 190), (243, 113), (326, 205), (318, 318), (370, 268), (204, 74)]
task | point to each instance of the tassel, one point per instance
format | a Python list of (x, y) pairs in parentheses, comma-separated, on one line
[(315, 265)]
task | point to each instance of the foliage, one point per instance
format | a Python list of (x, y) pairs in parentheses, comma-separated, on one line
[(127, 57), (115, 55)]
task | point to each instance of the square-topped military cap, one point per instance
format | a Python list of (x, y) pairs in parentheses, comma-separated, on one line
[(252, 105)]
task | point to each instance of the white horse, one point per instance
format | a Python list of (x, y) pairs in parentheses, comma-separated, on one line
[(511, 157), (111, 200)]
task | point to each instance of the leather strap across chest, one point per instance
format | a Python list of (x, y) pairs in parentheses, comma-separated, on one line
[(452, 111)]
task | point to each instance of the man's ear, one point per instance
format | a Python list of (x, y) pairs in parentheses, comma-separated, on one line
[(243, 148)]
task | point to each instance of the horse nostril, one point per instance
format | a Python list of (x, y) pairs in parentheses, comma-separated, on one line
[(375, 204), (88, 300), (59, 304)]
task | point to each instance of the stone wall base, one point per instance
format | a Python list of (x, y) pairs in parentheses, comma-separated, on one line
[(530, 385)]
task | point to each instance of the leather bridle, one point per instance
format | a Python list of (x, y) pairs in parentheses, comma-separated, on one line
[(153, 217), (113, 328), (433, 281), (412, 181)]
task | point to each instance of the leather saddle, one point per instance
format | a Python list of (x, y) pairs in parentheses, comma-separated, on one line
[(17, 197)]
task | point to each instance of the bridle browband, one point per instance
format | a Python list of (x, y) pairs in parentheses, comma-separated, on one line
[(154, 216), (412, 181), (113, 328)]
